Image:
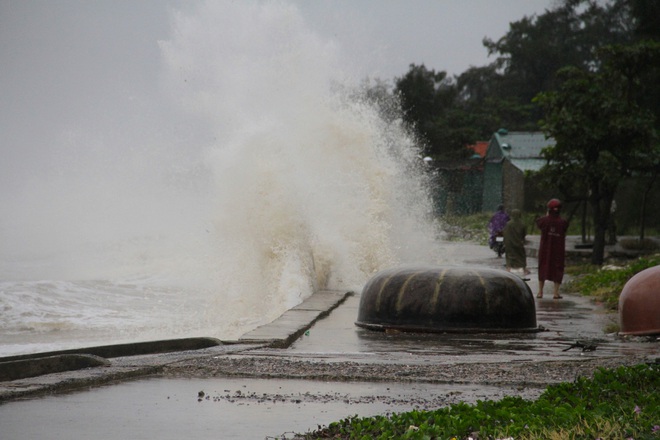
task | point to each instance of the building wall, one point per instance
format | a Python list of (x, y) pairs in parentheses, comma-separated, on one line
[(458, 191), (492, 186), (513, 182)]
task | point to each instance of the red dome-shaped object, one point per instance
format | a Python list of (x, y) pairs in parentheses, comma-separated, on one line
[(639, 304)]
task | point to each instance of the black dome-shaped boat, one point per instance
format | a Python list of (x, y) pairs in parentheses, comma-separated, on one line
[(447, 299)]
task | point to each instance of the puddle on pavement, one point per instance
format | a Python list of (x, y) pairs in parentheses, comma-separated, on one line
[(447, 344), (229, 409), (564, 322)]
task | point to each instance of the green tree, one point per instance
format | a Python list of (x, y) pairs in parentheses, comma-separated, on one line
[(602, 132), (646, 14), (482, 94), (431, 106), (379, 94), (535, 48), (639, 66), (449, 114)]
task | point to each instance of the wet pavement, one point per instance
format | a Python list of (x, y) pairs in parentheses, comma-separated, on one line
[(573, 329), (566, 321), (322, 331), (170, 409)]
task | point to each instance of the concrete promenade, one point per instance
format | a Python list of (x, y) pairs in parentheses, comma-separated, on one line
[(320, 334), (323, 326)]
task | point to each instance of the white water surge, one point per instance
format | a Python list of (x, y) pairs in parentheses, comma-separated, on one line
[(257, 177)]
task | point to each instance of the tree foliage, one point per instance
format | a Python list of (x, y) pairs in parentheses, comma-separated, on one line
[(450, 113), (594, 64), (430, 104), (602, 133), (531, 54)]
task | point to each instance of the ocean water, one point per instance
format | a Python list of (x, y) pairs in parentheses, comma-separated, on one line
[(256, 175)]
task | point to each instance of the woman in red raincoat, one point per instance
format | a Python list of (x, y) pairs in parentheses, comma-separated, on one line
[(552, 247)]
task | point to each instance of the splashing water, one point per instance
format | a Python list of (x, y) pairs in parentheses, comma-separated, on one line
[(265, 180)]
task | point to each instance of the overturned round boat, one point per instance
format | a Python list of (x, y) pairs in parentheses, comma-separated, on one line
[(447, 299), (639, 304)]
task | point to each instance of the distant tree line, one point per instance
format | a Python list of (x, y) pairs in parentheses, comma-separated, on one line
[(586, 72)]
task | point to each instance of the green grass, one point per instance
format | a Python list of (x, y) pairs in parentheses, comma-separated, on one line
[(618, 403), (605, 284), (467, 228), (474, 227)]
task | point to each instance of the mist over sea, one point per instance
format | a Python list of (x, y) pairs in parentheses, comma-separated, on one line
[(253, 176)]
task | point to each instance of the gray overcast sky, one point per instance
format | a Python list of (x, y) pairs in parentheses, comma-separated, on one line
[(443, 34), (67, 64)]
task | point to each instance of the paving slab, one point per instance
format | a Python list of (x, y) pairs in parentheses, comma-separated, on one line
[(293, 323)]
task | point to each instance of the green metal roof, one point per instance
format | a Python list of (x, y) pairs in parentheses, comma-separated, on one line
[(522, 148), (528, 164)]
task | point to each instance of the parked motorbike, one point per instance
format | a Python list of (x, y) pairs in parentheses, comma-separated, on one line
[(498, 244)]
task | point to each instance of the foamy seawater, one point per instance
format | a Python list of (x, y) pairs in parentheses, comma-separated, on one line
[(258, 174), (52, 314), (45, 315)]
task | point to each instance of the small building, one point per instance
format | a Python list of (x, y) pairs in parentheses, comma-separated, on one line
[(459, 186), (510, 155)]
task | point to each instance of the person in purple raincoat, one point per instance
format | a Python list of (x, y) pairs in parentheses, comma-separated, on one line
[(496, 224)]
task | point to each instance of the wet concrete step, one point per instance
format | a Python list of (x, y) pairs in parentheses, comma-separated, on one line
[(21, 369), (293, 323), (130, 349)]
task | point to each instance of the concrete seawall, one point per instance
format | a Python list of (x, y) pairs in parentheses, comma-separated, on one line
[(41, 373)]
